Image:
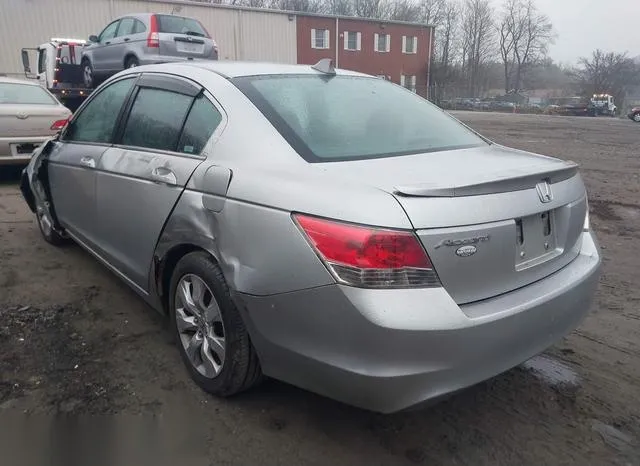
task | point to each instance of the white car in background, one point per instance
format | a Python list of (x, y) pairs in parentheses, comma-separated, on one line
[(29, 115)]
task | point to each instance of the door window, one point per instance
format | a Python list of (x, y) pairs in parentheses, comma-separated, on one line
[(202, 121), (126, 27), (109, 32), (96, 121), (156, 119), (42, 60)]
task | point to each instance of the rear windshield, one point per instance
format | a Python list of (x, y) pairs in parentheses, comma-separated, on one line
[(12, 93), (347, 118), (180, 25)]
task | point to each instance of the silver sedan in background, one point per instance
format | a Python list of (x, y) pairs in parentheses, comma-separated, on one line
[(29, 115), (319, 226)]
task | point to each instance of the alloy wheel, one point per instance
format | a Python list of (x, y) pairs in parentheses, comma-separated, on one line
[(200, 325), (636, 117), (45, 222)]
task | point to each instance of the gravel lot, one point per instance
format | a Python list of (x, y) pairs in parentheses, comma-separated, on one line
[(75, 340)]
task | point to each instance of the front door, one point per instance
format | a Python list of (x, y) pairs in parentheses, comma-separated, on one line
[(73, 160), (142, 177), (102, 51)]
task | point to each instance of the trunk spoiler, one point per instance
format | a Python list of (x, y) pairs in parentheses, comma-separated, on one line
[(514, 180)]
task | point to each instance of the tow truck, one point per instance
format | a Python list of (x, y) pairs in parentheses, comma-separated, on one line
[(59, 69), (603, 104)]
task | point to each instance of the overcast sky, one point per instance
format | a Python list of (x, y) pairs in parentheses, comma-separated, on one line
[(585, 25)]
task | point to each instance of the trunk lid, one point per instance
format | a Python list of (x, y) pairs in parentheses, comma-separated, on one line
[(29, 120), (492, 219)]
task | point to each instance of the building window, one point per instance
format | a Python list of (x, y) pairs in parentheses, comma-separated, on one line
[(319, 38), (409, 44), (382, 42), (408, 81), (352, 40)]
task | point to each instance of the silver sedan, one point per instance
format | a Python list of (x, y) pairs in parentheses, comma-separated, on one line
[(319, 226), (29, 115)]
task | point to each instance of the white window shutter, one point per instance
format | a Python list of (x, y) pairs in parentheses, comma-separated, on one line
[(413, 81), (326, 39), (388, 42), (404, 44), (358, 41), (346, 40), (313, 38), (415, 45), (375, 42), (402, 80)]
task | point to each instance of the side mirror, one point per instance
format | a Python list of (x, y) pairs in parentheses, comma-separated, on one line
[(25, 62), (93, 38)]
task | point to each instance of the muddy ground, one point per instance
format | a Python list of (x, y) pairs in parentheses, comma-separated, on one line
[(75, 341)]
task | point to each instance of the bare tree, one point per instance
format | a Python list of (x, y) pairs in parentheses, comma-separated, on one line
[(524, 35), (308, 6), (607, 73), (477, 41), (339, 7), (405, 10)]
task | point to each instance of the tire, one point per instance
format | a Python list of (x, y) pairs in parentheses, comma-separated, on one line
[(238, 369), (636, 117), (87, 74), (131, 62), (51, 234)]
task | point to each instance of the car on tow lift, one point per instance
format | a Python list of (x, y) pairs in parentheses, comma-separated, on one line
[(323, 227)]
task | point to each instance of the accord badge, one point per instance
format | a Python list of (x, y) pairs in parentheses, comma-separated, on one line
[(466, 251)]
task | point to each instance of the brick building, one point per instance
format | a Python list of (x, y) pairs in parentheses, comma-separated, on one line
[(398, 51)]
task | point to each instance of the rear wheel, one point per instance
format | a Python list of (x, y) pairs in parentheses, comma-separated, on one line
[(211, 336), (131, 62), (636, 117)]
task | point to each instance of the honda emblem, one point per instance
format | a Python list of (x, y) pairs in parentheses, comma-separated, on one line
[(544, 192)]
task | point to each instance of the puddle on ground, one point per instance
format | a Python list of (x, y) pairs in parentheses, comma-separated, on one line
[(552, 371)]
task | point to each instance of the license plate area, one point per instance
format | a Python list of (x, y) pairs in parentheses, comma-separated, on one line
[(536, 240), (26, 148), (189, 47)]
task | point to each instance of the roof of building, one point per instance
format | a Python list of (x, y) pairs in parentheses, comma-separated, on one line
[(294, 13)]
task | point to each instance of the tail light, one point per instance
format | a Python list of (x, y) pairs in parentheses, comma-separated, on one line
[(59, 124), (153, 39), (368, 257)]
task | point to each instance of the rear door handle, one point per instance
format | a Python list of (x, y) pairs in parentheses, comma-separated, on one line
[(126, 39), (164, 175), (88, 161)]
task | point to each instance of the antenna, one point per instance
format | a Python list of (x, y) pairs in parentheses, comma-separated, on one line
[(325, 66)]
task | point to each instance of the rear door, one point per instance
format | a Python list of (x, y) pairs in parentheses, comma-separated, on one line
[(73, 161), (184, 37), (142, 176)]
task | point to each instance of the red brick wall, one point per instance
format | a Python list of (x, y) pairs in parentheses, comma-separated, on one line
[(366, 60)]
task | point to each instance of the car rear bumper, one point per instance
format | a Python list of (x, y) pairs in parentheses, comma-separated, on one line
[(387, 350), (8, 155)]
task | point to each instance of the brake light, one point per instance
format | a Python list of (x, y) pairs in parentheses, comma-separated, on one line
[(369, 257), (59, 124), (153, 39)]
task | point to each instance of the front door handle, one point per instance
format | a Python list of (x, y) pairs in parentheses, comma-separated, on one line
[(88, 161), (164, 175)]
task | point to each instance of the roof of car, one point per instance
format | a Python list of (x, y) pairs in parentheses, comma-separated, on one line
[(235, 69), (5, 79)]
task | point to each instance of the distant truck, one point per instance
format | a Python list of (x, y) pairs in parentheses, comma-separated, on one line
[(602, 104), (59, 69)]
